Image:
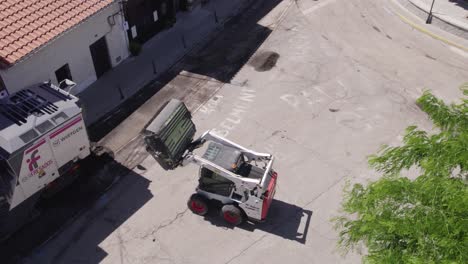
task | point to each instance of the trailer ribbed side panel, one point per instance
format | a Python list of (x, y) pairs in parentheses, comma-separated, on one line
[(170, 133)]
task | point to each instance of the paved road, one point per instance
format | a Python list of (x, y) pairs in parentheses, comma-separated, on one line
[(344, 82)]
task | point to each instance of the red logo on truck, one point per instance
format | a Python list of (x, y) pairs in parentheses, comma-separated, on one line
[(33, 160), (34, 167)]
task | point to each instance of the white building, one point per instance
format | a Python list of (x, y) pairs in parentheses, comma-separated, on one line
[(59, 39)]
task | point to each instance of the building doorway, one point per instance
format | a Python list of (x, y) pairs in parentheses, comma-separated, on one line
[(147, 17), (100, 55)]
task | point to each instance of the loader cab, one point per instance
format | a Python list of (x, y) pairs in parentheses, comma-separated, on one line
[(225, 157), (230, 159)]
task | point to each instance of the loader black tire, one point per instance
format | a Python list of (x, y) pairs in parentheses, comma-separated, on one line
[(232, 214), (198, 204)]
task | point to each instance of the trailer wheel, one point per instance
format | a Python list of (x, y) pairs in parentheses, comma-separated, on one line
[(232, 214), (197, 204)]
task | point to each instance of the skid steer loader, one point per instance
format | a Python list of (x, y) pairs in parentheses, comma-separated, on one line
[(242, 181)]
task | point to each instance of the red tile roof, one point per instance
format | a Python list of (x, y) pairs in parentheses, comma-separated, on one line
[(26, 25)]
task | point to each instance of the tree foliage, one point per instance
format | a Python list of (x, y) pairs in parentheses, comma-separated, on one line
[(424, 220)]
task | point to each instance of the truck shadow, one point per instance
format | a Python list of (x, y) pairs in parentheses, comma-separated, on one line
[(80, 209), (284, 220)]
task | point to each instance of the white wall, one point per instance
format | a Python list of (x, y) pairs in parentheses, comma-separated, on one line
[(72, 48)]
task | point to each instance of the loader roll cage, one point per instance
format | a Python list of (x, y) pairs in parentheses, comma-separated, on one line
[(245, 182)]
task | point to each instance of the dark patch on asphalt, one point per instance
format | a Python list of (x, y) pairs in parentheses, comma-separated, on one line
[(141, 167), (265, 61), (430, 57), (333, 110), (388, 36), (408, 47), (376, 29), (325, 37)]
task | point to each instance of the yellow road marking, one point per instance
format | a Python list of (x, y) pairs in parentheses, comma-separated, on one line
[(423, 30)]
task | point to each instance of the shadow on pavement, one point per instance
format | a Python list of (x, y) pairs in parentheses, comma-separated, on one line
[(220, 57), (284, 220), (87, 195), (461, 3)]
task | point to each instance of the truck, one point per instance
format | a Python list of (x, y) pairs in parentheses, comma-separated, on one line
[(43, 139)]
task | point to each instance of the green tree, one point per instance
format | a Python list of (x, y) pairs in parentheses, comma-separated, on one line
[(424, 220)]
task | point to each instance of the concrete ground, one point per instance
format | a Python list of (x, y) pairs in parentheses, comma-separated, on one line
[(345, 82), (157, 56)]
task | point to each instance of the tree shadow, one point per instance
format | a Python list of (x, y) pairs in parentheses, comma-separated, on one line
[(460, 3), (284, 220)]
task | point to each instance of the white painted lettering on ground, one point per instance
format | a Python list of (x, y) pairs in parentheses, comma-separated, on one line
[(316, 95), (210, 106), (291, 99), (235, 117)]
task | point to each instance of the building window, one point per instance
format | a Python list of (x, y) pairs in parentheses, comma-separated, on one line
[(63, 73)]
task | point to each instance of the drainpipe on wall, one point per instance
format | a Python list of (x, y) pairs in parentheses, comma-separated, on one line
[(124, 22)]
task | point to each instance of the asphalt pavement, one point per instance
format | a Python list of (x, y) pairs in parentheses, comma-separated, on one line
[(330, 83)]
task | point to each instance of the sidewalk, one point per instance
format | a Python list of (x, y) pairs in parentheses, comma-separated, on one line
[(449, 15), (157, 56)]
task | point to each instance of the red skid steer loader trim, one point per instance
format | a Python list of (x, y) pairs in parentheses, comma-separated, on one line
[(270, 193)]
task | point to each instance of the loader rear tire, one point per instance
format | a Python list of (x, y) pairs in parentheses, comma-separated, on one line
[(232, 214), (197, 204)]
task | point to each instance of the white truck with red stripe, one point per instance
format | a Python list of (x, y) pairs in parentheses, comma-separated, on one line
[(42, 140)]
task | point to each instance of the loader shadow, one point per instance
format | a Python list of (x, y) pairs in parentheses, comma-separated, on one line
[(82, 216), (284, 220)]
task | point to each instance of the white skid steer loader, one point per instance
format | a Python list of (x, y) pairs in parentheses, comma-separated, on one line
[(242, 181)]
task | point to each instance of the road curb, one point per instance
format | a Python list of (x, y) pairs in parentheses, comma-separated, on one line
[(443, 22), (420, 28), (447, 19), (431, 34)]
